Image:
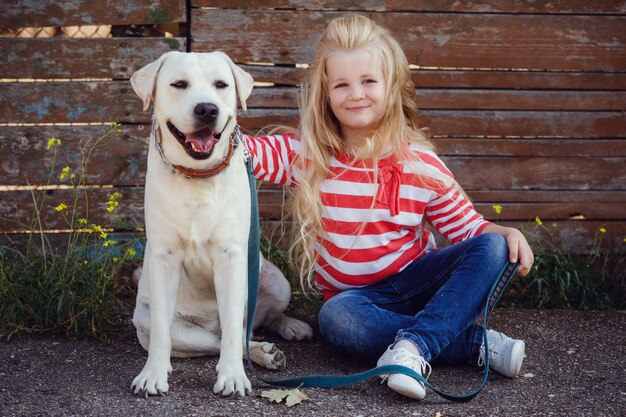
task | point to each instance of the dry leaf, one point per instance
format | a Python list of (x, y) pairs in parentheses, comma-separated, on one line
[(275, 395), (295, 397), (291, 397)]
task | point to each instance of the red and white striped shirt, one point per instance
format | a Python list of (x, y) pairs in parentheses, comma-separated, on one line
[(365, 241)]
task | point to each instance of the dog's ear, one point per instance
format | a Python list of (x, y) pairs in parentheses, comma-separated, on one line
[(243, 80), (144, 80)]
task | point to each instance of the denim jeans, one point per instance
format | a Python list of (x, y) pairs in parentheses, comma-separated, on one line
[(434, 303)]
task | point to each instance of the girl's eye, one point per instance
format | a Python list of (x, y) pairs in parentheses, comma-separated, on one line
[(341, 85), (180, 84), (369, 81), (221, 85)]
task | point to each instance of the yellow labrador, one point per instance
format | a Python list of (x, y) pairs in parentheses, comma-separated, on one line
[(193, 287)]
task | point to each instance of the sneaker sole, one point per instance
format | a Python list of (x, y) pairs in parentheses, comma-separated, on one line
[(407, 386), (517, 357)]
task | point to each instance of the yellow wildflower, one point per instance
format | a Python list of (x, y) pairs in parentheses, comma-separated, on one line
[(538, 221), (602, 230), (61, 207), (131, 252), (53, 141), (554, 225), (95, 228), (113, 203), (82, 221), (497, 208), (109, 243)]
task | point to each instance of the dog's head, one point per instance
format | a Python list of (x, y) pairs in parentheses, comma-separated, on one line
[(195, 100)]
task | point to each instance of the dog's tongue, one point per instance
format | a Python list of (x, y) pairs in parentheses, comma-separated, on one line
[(202, 139)]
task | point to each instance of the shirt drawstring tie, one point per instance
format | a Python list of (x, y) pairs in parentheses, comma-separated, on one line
[(388, 194)]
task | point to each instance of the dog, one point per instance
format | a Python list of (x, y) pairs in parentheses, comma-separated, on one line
[(192, 289)]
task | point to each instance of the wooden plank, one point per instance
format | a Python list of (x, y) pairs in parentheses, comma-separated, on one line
[(46, 58), (84, 102), (570, 236), (425, 78), (544, 196), (70, 102), (273, 206), (464, 99), (530, 147), (482, 6), (17, 211), (542, 173), (25, 159), (462, 123), (537, 42), (39, 13)]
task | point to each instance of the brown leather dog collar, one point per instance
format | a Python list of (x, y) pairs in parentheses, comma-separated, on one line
[(198, 173)]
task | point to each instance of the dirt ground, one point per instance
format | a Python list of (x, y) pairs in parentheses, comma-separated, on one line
[(575, 366)]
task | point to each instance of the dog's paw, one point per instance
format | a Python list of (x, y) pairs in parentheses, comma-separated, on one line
[(235, 384), (151, 380), (268, 356), (293, 329)]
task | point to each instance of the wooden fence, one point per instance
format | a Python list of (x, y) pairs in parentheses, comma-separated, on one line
[(526, 100)]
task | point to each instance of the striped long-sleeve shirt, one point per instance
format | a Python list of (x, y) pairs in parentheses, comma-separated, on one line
[(374, 223)]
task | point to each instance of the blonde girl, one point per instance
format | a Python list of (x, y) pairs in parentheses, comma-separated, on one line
[(366, 184)]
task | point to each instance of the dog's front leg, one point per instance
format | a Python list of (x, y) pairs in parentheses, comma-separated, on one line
[(164, 278), (231, 286)]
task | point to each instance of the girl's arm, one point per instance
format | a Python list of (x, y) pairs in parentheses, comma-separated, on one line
[(272, 157), (519, 249)]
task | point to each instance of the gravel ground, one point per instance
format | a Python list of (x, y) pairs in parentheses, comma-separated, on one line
[(575, 366)]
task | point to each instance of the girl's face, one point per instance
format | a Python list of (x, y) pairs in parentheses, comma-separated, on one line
[(356, 91)]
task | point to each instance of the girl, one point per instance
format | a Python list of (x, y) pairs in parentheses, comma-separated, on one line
[(366, 183)]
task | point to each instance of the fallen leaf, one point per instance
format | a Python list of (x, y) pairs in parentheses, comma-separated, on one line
[(529, 375), (275, 395), (295, 397), (292, 397)]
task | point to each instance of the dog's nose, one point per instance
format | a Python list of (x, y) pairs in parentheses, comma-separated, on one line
[(207, 112)]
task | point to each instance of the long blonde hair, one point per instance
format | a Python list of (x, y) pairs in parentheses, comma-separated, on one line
[(319, 130)]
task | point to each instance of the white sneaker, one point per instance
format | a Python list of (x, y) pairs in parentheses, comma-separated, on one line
[(400, 383), (505, 354)]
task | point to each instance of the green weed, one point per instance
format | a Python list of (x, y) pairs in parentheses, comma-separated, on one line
[(69, 283)]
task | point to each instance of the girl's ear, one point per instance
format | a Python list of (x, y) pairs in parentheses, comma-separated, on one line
[(243, 81), (144, 80)]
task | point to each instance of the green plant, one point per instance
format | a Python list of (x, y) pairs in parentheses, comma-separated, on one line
[(65, 281), (595, 280)]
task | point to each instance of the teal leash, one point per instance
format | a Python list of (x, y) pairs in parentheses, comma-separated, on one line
[(334, 381)]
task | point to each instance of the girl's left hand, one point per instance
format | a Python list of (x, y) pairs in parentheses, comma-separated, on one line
[(519, 249)]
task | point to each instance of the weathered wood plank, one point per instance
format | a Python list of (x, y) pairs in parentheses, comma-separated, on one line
[(530, 147), (25, 159), (544, 196), (83, 102), (483, 6), (17, 211), (424, 78), (464, 99), (543, 173), (538, 42), (462, 123), (46, 58), (38, 13), (570, 236), (273, 206)]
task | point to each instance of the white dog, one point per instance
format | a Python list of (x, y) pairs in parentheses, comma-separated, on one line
[(193, 287)]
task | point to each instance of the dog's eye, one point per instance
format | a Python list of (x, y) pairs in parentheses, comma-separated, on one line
[(221, 85), (180, 84)]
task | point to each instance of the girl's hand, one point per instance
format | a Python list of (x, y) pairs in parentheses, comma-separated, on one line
[(519, 249)]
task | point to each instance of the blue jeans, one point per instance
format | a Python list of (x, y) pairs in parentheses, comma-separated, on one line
[(434, 303)]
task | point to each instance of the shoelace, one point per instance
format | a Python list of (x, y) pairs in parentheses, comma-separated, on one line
[(415, 362), (495, 341)]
